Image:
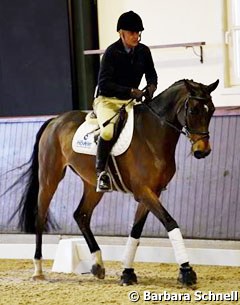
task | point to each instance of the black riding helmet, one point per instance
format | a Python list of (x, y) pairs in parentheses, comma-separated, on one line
[(130, 21)]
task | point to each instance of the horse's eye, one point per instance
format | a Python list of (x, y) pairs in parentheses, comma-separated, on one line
[(194, 111)]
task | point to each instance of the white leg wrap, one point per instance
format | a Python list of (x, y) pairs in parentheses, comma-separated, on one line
[(176, 239), (97, 258), (37, 267), (130, 251)]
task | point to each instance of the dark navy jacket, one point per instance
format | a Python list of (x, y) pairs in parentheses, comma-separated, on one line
[(121, 71)]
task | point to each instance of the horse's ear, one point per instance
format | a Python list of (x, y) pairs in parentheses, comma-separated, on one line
[(188, 86), (213, 86)]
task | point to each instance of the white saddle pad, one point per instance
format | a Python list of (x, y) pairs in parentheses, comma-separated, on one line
[(83, 140)]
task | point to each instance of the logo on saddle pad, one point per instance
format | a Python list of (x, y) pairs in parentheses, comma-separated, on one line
[(84, 139)]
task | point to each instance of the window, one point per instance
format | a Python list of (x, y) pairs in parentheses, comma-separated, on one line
[(232, 39)]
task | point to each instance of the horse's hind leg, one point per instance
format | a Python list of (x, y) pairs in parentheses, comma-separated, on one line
[(128, 276), (48, 182), (82, 215)]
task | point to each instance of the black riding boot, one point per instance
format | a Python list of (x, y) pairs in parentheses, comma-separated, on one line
[(104, 183)]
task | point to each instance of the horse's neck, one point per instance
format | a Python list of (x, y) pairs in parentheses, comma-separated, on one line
[(155, 133), (154, 130)]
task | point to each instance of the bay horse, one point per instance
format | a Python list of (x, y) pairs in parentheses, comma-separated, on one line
[(146, 168)]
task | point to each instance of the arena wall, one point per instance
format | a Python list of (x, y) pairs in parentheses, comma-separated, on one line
[(203, 196)]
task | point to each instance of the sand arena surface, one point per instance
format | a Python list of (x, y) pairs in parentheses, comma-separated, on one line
[(17, 287)]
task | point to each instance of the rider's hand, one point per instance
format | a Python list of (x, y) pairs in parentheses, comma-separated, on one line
[(136, 94), (149, 92)]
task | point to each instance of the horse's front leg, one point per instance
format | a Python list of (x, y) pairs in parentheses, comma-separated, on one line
[(82, 216), (128, 276), (187, 275)]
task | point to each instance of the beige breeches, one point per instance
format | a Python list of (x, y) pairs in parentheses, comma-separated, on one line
[(105, 108)]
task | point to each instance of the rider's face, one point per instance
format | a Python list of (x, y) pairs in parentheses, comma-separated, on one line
[(130, 39)]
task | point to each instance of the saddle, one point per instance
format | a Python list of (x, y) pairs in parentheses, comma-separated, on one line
[(85, 138), (85, 142)]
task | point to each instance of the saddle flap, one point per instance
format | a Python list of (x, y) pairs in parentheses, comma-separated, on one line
[(84, 139)]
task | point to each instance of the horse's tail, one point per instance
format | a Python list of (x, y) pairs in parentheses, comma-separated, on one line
[(28, 205)]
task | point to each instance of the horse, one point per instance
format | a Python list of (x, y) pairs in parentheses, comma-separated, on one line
[(146, 167)]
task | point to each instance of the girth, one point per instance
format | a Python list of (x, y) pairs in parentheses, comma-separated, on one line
[(116, 175)]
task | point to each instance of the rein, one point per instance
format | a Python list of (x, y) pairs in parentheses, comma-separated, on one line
[(188, 131), (166, 121), (119, 110)]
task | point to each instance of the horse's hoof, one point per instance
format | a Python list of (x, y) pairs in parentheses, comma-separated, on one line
[(187, 276), (128, 277), (39, 277), (98, 271)]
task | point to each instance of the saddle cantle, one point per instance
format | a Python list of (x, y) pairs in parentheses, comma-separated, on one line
[(84, 139)]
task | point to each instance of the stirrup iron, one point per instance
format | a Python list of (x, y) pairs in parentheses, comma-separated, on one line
[(104, 186)]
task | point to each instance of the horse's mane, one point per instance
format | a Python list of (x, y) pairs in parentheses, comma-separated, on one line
[(165, 100), (186, 82), (177, 83)]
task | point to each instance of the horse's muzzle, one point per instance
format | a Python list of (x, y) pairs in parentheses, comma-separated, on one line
[(201, 154), (201, 148)]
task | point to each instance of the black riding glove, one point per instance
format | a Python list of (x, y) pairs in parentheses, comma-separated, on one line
[(137, 94), (149, 92)]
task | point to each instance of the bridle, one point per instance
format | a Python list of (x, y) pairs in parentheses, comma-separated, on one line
[(188, 131)]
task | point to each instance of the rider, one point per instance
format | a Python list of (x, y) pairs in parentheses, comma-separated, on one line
[(122, 67)]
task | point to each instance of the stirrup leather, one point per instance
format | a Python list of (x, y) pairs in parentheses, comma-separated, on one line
[(104, 182)]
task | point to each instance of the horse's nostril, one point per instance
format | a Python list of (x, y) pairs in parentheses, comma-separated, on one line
[(198, 154), (201, 154)]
